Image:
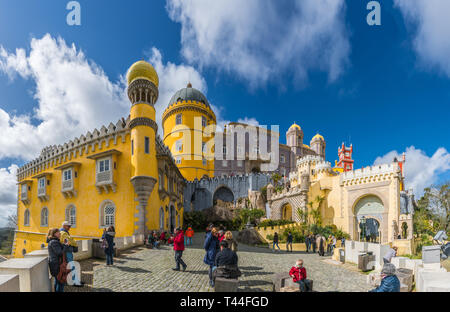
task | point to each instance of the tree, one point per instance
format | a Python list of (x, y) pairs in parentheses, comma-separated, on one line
[(433, 210), (276, 178)]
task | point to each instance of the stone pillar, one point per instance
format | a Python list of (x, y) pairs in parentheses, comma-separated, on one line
[(143, 186)]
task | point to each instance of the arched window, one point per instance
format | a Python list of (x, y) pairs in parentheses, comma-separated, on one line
[(71, 215), (109, 215), (161, 218), (44, 216), (26, 218)]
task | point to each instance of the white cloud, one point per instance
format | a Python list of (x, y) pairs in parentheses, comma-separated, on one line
[(263, 40), (431, 23), (8, 191), (420, 170), (172, 78), (73, 94)]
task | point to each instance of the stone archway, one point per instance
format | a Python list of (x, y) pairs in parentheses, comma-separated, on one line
[(223, 193), (368, 212), (286, 212)]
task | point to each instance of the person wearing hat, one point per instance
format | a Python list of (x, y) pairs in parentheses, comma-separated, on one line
[(73, 247), (389, 281), (178, 247)]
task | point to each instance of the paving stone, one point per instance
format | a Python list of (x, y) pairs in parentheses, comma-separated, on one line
[(150, 270)]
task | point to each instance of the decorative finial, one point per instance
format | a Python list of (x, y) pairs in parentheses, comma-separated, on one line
[(189, 85)]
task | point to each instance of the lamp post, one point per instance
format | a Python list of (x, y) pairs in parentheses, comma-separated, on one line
[(363, 222)]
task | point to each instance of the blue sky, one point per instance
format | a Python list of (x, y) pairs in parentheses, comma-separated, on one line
[(382, 88)]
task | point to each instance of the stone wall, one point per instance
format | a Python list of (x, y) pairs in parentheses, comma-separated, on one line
[(198, 195)]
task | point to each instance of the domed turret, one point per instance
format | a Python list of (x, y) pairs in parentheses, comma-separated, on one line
[(189, 94), (294, 139), (318, 145), (187, 115), (317, 137), (142, 70), (295, 126)]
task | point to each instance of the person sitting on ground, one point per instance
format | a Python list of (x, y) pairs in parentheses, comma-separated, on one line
[(226, 263), (390, 254), (298, 274), (389, 281), (232, 244)]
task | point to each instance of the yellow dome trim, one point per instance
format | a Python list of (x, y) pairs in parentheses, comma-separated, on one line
[(318, 136), (295, 126), (142, 70)]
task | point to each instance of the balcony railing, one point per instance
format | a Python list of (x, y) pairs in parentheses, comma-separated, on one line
[(104, 181)]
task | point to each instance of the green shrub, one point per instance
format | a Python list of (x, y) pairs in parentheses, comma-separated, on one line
[(270, 223)]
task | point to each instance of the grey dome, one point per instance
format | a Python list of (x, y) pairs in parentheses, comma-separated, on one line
[(188, 94)]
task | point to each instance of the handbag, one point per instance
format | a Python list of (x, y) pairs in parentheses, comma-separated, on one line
[(63, 270), (104, 244)]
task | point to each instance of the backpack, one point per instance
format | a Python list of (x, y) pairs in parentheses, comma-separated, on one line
[(63, 270)]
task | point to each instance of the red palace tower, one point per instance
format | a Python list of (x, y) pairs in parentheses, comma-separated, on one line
[(345, 158)]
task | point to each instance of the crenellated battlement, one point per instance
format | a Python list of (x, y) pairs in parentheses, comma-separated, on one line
[(52, 155), (370, 171), (310, 159)]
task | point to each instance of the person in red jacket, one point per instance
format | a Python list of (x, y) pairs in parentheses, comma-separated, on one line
[(178, 246), (298, 274)]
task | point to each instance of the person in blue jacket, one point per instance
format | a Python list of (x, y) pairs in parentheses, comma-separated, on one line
[(108, 237), (390, 281), (210, 246)]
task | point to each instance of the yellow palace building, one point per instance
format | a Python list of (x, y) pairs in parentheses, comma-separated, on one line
[(122, 175)]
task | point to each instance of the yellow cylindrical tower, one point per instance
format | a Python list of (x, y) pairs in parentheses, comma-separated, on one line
[(143, 92), (189, 125)]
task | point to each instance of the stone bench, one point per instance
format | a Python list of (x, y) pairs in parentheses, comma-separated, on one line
[(9, 283), (405, 277), (32, 271), (282, 282), (226, 284)]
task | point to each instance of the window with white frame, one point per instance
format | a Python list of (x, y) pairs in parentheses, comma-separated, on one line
[(179, 146), (224, 163), (179, 119), (109, 215), (103, 165), (24, 190), (71, 215), (178, 160), (67, 175), (224, 149), (283, 159), (41, 186), (239, 163), (44, 216), (26, 218), (203, 121)]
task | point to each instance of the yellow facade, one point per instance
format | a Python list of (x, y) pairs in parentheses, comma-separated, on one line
[(101, 190), (192, 124)]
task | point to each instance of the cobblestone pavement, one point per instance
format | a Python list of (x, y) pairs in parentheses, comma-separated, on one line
[(142, 269)]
